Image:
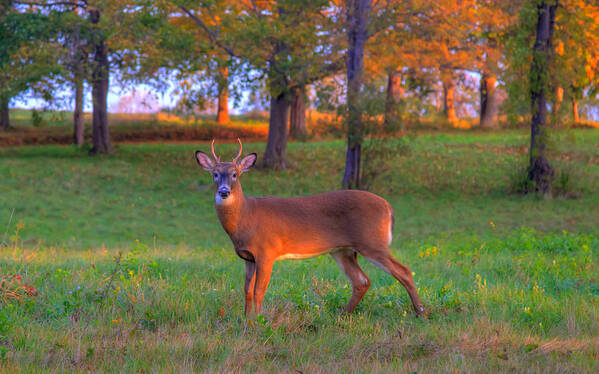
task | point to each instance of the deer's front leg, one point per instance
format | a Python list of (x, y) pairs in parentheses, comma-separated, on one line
[(263, 272), (250, 281)]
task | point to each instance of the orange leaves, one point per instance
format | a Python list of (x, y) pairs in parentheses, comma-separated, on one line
[(590, 72), (559, 48), (577, 43)]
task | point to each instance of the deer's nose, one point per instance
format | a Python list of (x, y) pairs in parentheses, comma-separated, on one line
[(224, 192)]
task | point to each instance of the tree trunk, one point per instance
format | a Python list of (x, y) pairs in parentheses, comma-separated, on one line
[(438, 100), (4, 114), (276, 145), (78, 124), (222, 114), (488, 100), (540, 171), (357, 34), (559, 97), (297, 115), (100, 73), (575, 115), (449, 100), (395, 93)]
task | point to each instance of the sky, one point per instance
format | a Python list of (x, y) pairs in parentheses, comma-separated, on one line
[(139, 98), (143, 98)]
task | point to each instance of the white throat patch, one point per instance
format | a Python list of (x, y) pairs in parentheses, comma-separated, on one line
[(220, 201)]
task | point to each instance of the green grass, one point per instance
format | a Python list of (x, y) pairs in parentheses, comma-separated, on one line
[(512, 282)]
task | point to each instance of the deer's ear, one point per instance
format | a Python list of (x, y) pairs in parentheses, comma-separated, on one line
[(248, 161), (204, 160)]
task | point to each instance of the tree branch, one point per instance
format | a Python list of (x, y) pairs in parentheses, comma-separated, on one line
[(211, 34), (255, 9)]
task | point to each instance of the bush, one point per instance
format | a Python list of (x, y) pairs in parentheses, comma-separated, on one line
[(36, 119), (565, 184)]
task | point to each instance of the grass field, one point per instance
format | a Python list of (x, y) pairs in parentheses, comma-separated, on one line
[(132, 271)]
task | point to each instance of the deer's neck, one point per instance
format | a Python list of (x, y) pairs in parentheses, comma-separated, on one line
[(230, 210)]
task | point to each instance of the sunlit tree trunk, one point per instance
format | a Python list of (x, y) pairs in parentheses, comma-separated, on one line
[(222, 114), (488, 100), (575, 115), (540, 171), (78, 124), (357, 13), (100, 76), (276, 145), (297, 115), (395, 92), (4, 115), (449, 99), (438, 100), (559, 98)]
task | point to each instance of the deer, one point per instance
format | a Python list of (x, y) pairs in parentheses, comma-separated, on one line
[(341, 223)]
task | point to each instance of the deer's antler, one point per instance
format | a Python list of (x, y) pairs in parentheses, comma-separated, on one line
[(239, 154), (216, 158)]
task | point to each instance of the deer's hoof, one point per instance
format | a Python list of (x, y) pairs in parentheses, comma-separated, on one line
[(421, 312)]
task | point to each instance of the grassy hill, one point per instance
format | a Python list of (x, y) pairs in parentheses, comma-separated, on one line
[(132, 271)]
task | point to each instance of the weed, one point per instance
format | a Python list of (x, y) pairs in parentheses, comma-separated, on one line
[(12, 288)]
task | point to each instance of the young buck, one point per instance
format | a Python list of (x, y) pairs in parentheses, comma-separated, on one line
[(266, 229)]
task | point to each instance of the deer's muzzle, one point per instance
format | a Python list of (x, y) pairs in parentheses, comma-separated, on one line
[(224, 191)]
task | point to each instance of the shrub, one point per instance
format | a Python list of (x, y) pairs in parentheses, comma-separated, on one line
[(36, 119)]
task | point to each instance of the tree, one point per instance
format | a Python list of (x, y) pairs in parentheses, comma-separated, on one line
[(576, 67), (388, 54), (574, 71), (75, 31), (179, 50), (494, 18), (26, 55), (448, 81), (99, 79), (357, 17), (222, 113), (289, 42), (443, 42), (100, 66), (114, 35), (395, 93), (297, 115), (540, 171), (489, 106)]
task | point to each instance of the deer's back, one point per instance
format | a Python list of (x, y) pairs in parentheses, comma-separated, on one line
[(318, 222)]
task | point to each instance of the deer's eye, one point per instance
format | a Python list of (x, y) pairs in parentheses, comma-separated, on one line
[(215, 175), (234, 175)]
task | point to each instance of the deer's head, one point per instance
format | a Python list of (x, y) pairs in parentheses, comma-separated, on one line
[(226, 174)]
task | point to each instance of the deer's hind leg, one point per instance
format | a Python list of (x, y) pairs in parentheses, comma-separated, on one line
[(384, 260), (348, 262)]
